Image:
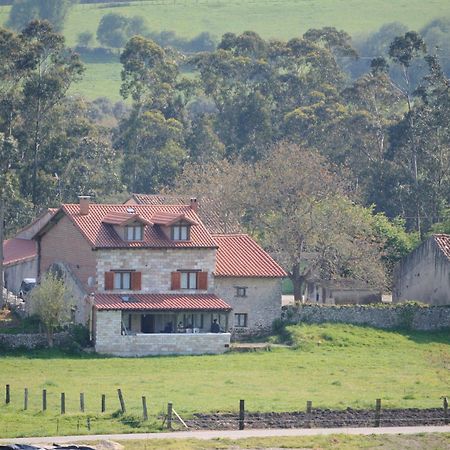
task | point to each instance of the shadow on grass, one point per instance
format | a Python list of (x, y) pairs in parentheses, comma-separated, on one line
[(427, 337)]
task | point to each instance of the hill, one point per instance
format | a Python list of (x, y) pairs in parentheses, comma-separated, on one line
[(277, 19)]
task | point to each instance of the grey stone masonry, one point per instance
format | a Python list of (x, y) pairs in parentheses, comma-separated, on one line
[(156, 266), (109, 340), (409, 316), (261, 303)]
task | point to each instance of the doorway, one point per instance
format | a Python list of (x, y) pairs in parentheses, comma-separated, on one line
[(147, 323)]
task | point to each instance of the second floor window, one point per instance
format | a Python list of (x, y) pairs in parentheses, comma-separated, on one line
[(133, 233), (188, 280), (181, 232), (122, 280)]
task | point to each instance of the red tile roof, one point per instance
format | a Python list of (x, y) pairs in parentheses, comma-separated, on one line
[(101, 235), (124, 218), (167, 219), (443, 242), (161, 302), (18, 250), (211, 212), (240, 256)]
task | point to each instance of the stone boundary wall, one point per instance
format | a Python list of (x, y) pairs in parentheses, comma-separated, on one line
[(407, 316), (31, 341)]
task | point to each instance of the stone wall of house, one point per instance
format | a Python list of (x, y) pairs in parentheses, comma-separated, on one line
[(65, 243), (409, 316), (156, 266), (31, 341), (108, 340), (424, 275), (262, 302)]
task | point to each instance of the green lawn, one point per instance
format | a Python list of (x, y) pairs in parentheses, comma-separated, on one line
[(335, 442), (335, 366), (281, 19)]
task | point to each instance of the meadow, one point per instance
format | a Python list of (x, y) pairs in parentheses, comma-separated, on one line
[(334, 366), (272, 19)]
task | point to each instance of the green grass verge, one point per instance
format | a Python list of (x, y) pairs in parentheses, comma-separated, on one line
[(335, 442), (335, 366)]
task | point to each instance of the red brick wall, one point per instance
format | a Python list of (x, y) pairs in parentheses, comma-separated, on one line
[(64, 242)]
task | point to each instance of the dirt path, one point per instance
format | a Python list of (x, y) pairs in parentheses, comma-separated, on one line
[(231, 434)]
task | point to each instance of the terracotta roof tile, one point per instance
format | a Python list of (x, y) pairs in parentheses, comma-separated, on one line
[(123, 218), (101, 235), (212, 214), (443, 242), (17, 250), (240, 256), (161, 302)]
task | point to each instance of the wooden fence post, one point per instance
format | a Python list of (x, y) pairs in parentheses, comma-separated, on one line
[(121, 400), (446, 411), (8, 394), (103, 403), (25, 399), (169, 415), (63, 403), (82, 402), (144, 408), (241, 414), (44, 399), (309, 407), (378, 412)]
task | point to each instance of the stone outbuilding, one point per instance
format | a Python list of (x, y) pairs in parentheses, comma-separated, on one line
[(424, 274)]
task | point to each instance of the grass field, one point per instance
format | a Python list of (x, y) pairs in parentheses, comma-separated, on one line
[(335, 366), (281, 19), (335, 442)]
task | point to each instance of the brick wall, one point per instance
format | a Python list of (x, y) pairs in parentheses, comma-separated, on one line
[(156, 266), (64, 243), (262, 302), (108, 340)]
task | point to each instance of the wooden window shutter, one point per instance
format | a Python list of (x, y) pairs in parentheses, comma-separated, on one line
[(109, 281), (202, 280), (136, 281), (175, 281)]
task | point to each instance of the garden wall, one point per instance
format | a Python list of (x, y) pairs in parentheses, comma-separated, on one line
[(408, 315), (30, 341)]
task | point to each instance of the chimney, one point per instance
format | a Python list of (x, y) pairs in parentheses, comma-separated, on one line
[(194, 204), (84, 204)]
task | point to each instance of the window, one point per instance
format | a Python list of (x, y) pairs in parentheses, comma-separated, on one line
[(188, 280), (133, 233), (181, 232), (241, 291), (122, 280), (240, 320)]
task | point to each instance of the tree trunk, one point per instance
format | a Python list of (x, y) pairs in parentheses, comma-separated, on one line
[(298, 282), (50, 338), (2, 218)]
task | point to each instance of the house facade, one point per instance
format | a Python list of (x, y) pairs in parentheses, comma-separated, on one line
[(424, 274), (156, 279)]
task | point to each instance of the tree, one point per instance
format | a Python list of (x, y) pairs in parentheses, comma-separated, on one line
[(24, 11), (51, 301), (85, 38)]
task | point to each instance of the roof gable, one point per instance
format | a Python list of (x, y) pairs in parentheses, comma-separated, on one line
[(124, 218), (18, 250), (239, 255), (443, 243)]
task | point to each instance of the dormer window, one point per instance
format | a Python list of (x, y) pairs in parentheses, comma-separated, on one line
[(133, 232), (181, 231)]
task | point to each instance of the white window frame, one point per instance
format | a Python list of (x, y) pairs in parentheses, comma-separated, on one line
[(188, 280), (134, 232), (181, 231)]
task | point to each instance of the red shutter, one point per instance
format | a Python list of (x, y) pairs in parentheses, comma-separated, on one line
[(109, 281), (136, 281), (175, 281), (202, 280)]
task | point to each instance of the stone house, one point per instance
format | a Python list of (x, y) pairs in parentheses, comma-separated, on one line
[(343, 291), (156, 278), (424, 274)]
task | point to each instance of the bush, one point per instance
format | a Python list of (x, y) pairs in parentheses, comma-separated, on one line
[(80, 335)]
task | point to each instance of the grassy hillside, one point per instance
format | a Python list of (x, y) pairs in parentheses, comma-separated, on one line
[(335, 366), (280, 19)]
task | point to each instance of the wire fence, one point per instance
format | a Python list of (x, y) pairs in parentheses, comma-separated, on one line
[(77, 420)]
